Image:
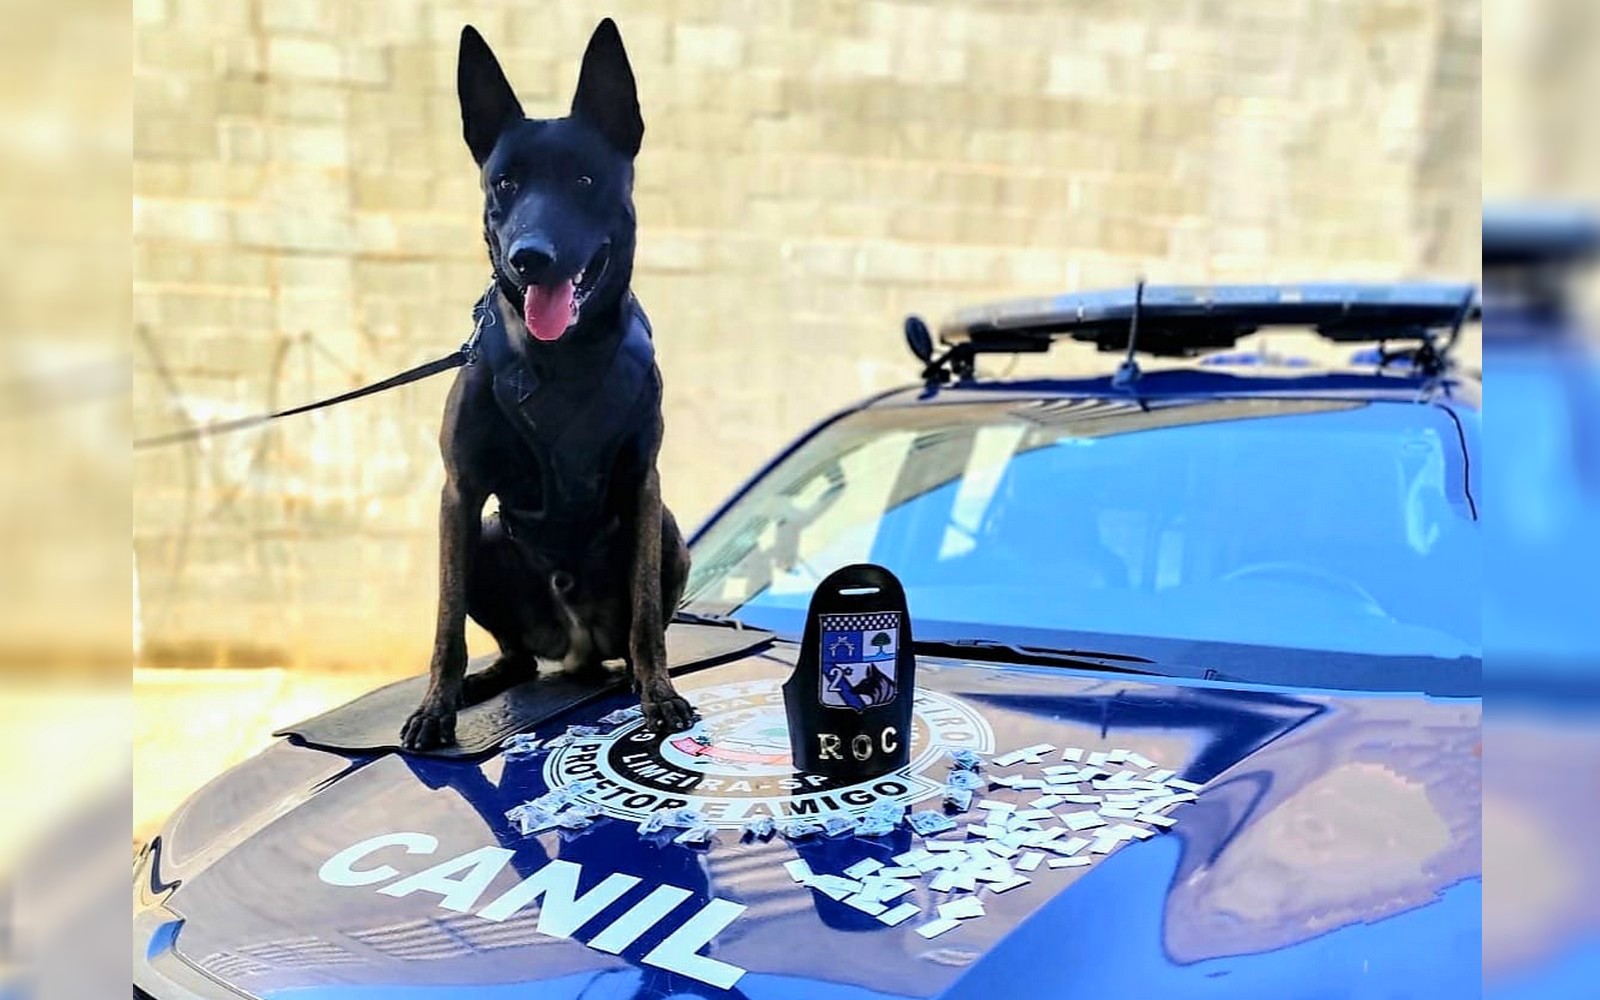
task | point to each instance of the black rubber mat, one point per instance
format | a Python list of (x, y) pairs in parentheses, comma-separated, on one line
[(372, 722)]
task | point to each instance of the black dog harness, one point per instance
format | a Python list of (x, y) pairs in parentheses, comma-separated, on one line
[(578, 430)]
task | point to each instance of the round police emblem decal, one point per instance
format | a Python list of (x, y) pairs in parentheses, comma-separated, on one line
[(735, 764)]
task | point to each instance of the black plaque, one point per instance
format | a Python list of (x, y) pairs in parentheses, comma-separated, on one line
[(849, 698)]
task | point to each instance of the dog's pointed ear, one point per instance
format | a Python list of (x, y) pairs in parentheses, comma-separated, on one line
[(488, 104), (606, 97)]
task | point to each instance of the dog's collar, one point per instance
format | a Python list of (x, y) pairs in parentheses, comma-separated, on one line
[(507, 288)]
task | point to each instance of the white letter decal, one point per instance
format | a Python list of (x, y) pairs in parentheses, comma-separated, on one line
[(337, 871), (563, 910), (460, 894), (677, 952), (644, 914)]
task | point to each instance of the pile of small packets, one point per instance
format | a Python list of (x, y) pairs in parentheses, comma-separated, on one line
[(696, 831), (562, 807), (879, 821), (1105, 798), (523, 745)]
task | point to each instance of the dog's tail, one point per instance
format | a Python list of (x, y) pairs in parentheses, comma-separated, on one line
[(580, 644)]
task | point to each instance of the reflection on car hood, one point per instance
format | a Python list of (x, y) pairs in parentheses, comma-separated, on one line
[(1336, 840)]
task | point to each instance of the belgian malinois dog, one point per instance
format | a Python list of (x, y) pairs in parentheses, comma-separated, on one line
[(559, 418)]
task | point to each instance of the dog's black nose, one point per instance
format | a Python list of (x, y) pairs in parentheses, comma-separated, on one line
[(530, 257)]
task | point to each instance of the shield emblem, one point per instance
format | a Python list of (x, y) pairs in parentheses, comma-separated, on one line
[(848, 701), (860, 657)]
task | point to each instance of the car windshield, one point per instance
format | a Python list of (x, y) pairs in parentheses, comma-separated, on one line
[(1326, 525)]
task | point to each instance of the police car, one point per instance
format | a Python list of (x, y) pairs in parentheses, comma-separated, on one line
[(1195, 712)]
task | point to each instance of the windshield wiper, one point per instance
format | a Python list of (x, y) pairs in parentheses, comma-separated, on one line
[(700, 618), (992, 651)]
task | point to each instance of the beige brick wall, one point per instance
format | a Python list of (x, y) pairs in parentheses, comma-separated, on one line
[(305, 217)]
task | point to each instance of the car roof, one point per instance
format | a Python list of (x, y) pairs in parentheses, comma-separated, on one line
[(1196, 381)]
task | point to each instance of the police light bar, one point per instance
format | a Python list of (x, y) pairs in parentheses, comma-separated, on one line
[(1184, 320)]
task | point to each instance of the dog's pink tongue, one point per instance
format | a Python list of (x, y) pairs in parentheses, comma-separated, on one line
[(547, 310)]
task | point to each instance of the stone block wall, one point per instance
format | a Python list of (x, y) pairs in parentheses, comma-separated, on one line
[(305, 218)]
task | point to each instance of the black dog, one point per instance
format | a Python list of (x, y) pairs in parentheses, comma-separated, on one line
[(560, 417)]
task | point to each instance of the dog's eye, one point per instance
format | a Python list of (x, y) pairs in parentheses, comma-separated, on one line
[(584, 180), (505, 185)]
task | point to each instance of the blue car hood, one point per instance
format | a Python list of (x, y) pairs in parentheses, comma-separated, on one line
[(1333, 851)]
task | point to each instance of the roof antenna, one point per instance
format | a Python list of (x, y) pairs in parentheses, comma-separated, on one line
[(1469, 298), (1431, 358), (1128, 372)]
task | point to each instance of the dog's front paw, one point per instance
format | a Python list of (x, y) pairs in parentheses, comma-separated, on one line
[(433, 724), (666, 710)]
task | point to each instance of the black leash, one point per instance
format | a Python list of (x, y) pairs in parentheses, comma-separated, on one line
[(466, 354)]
